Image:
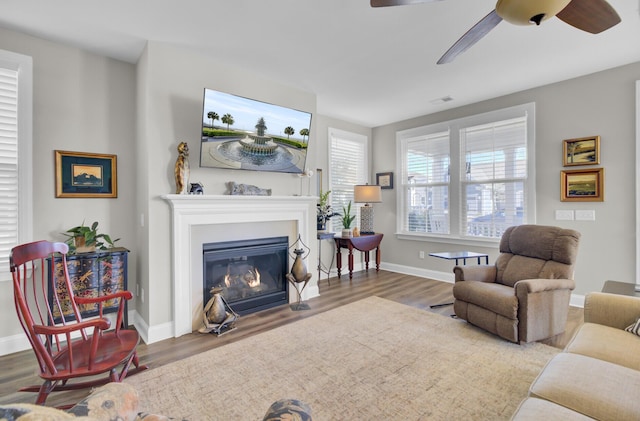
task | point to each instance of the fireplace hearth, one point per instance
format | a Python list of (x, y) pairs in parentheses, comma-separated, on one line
[(250, 273)]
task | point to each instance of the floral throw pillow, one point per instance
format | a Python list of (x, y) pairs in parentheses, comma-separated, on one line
[(288, 410), (111, 402)]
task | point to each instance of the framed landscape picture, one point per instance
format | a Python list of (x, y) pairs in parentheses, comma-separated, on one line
[(81, 174), (582, 151), (582, 185)]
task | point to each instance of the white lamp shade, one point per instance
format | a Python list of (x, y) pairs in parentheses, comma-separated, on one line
[(367, 194)]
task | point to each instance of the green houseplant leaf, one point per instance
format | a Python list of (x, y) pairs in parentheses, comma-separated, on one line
[(87, 236), (347, 218)]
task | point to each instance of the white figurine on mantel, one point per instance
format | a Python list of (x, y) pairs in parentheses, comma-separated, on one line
[(182, 169)]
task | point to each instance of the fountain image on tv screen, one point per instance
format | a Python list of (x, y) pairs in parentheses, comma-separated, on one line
[(245, 134)]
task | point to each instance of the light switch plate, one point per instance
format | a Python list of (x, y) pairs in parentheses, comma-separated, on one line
[(585, 215), (564, 215)]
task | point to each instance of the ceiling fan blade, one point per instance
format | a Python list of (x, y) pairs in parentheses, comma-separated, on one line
[(385, 3), (472, 36), (592, 16)]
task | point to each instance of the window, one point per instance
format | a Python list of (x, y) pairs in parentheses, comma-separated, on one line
[(495, 170), (426, 172), (348, 166), (15, 155), (469, 178)]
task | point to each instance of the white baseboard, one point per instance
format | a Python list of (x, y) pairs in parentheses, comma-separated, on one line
[(151, 334), (421, 272), (14, 343), (577, 301)]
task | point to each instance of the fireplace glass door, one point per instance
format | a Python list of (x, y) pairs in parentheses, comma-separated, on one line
[(251, 273)]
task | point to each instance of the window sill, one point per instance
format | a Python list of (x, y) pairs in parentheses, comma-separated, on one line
[(446, 239)]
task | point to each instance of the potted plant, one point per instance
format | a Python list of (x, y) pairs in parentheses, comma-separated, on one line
[(347, 220), (85, 239), (324, 210)]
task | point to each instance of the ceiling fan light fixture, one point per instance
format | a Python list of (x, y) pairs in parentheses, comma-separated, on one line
[(537, 19), (527, 12)]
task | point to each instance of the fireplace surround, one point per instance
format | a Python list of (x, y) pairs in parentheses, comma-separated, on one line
[(226, 216)]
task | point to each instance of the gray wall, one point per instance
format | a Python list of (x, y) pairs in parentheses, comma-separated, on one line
[(323, 124), (598, 104), (170, 84), (82, 102)]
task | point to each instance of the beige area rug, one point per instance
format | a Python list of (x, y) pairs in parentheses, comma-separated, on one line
[(372, 359)]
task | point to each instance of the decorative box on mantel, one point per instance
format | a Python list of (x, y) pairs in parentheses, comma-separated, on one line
[(195, 211)]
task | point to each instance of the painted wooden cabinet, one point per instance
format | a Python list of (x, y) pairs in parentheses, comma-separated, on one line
[(92, 275)]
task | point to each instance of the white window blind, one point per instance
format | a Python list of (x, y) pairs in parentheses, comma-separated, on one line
[(494, 176), (468, 178), (425, 179), (16, 189), (347, 167), (8, 164)]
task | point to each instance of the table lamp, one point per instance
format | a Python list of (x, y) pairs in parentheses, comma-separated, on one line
[(367, 194)]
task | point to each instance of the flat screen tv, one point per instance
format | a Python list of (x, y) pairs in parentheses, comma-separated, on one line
[(242, 133)]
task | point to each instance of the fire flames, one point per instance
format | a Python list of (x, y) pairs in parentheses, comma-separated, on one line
[(251, 278)]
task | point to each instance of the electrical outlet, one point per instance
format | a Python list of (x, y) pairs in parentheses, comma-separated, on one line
[(142, 294), (585, 215), (421, 254), (138, 290), (564, 215)]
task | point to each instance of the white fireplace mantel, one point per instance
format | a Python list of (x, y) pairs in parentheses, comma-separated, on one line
[(189, 211)]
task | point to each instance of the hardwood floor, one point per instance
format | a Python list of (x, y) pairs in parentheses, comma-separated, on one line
[(19, 369)]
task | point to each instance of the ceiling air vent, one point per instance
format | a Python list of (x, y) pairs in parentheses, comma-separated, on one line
[(441, 100)]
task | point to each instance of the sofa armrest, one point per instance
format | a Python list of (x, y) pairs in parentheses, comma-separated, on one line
[(479, 273), (612, 310), (528, 286)]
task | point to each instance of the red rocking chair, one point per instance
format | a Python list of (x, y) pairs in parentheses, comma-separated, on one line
[(66, 346)]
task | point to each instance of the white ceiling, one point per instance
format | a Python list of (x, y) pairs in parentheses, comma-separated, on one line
[(368, 66)]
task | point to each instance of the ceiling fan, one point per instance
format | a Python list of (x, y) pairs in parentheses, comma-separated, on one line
[(592, 16)]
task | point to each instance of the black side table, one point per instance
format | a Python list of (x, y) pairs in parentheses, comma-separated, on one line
[(461, 255), (458, 255), (620, 288)]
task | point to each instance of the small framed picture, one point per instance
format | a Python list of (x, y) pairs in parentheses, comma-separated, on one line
[(582, 151), (384, 180), (582, 185), (80, 174)]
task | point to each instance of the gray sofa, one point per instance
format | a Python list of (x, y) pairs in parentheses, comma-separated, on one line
[(597, 376)]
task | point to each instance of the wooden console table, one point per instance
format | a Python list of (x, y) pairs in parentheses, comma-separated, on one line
[(363, 243)]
